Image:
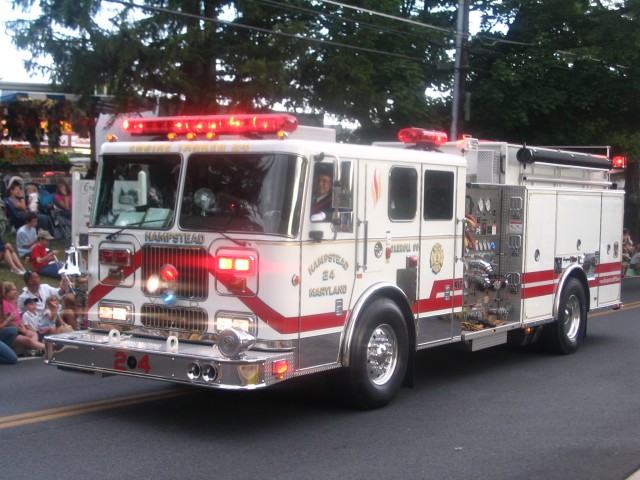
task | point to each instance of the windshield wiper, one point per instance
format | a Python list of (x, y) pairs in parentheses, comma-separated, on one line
[(114, 235)]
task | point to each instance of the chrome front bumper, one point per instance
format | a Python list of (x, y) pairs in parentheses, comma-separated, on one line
[(158, 359)]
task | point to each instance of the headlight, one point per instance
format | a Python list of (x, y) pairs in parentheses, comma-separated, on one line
[(115, 312), (153, 284), (246, 323)]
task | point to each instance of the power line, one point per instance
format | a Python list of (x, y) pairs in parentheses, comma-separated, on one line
[(482, 38), (392, 17), (264, 30), (372, 26)]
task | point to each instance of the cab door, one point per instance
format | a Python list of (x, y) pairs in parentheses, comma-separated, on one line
[(440, 281), (327, 260)]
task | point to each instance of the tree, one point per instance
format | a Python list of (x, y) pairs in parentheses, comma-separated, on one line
[(308, 56), (560, 72)]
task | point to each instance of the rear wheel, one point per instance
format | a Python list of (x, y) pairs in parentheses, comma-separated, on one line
[(566, 333), (379, 354)]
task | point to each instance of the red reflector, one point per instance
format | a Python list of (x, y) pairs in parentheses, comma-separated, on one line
[(115, 257), (418, 135), (412, 262), (106, 256), (212, 124), (121, 257), (280, 367)]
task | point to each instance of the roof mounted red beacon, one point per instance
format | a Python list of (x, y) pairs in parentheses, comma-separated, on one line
[(619, 162), (421, 137), (210, 126)]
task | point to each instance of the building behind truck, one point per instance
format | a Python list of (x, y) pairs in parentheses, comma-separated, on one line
[(207, 268)]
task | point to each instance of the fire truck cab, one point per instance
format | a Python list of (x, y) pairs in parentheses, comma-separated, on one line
[(242, 251)]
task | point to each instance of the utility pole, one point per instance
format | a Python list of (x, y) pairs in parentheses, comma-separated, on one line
[(461, 66)]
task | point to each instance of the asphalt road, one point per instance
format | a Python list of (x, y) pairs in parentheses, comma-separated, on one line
[(498, 413)]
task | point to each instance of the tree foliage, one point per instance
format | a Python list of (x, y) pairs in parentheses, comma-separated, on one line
[(245, 55), (543, 71), (563, 72)]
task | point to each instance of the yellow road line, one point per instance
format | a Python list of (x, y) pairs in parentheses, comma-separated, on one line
[(83, 408)]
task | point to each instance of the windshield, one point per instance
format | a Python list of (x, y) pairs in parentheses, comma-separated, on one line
[(243, 192), (137, 191)]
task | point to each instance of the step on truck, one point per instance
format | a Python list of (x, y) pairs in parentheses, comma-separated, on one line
[(216, 258)]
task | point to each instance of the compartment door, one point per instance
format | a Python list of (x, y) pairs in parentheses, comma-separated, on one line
[(608, 270)]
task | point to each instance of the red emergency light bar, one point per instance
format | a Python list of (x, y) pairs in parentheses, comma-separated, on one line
[(421, 136), (211, 125), (619, 162)]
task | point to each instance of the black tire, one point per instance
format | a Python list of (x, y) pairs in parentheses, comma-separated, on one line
[(379, 355), (565, 334)]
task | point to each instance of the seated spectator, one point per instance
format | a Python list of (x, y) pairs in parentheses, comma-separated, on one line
[(30, 316), (634, 267), (8, 336), (628, 250), (71, 312), (10, 340), (43, 259), (50, 320), (27, 236), (62, 199), (34, 288), (33, 200), (10, 305), (8, 254), (17, 208)]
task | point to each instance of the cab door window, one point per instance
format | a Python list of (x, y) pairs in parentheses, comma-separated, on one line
[(403, 193), (438, 195)]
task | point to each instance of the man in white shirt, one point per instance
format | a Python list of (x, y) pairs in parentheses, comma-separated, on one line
[(40, 291), (27, 235)]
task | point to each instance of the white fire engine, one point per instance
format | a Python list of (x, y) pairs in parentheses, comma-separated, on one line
[(213, 263)]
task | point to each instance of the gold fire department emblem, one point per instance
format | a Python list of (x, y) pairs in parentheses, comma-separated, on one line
[(437, 258)]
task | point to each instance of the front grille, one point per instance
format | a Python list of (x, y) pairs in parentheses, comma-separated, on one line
[(185, 319), (191, 262)]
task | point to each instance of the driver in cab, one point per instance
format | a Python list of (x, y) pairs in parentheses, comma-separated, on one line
[(321, 210)]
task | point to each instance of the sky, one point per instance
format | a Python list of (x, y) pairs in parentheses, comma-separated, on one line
[(12, 64)]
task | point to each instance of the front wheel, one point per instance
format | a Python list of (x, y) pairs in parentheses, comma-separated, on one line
[(566, 333), (379, 355)]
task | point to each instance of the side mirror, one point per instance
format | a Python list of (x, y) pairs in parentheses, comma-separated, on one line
[(342, 222), (316, 235)]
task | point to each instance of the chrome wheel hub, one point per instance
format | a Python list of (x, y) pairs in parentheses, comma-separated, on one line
[(382, 354), (572, 316)]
